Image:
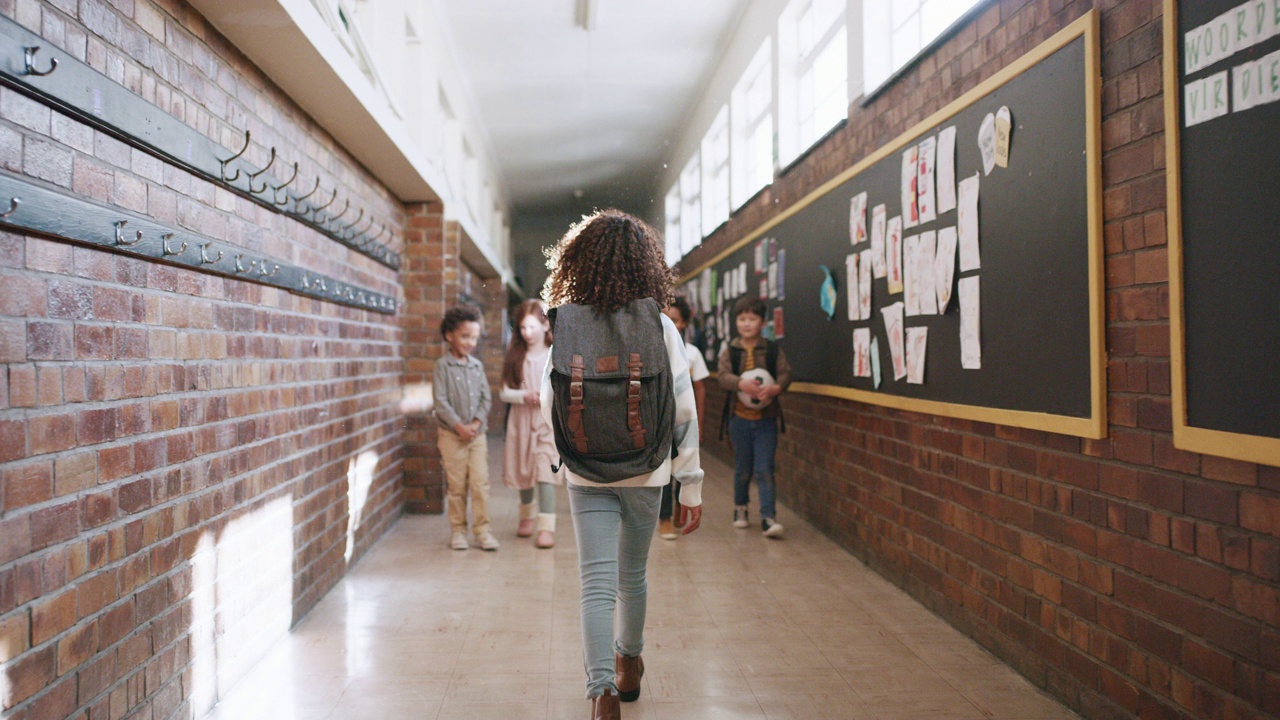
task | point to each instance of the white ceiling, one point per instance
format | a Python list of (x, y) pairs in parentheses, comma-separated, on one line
[(569, 109)]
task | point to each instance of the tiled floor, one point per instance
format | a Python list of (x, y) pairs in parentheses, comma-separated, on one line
[(739, 627)]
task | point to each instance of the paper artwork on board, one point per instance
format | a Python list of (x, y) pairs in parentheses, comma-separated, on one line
[(773, 280), (851, 285), (893, 255), (706, 287), (778, 327), (782, 274), (1004, 129), (878, 219), (970, 324), (764, 288), (910, 213), (773, 250), (875, 362), (925, 246), (862, 352), (944, 267), (946, 175), (987, 143), (827, 292), (894, 332), (917, 344), (910, 284), (924, 179), (742, 278), (967, 216), (864, 286), (858, 218), (759, 257)]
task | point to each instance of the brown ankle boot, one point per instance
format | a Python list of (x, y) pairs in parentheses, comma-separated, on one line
[(627, 673), (606, 707)]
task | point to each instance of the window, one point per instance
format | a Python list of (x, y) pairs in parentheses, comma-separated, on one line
[(813, 73), (751, 118), (895, 32), (673, 224), (690, 206), (715, 173)]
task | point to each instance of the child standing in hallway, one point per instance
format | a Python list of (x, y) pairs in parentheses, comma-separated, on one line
[(680, 314), (462, 401), (753, 431), (530, 450)]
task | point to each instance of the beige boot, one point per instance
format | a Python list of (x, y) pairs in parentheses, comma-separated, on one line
[(546, 531), (528, 511)]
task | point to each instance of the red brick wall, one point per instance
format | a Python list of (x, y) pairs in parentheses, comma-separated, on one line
[(1127, 578), (187, 462), (436, 279)]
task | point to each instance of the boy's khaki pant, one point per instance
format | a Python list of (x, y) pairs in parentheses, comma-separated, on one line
[(466, 467)]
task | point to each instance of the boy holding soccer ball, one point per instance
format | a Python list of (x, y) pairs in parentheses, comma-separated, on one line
[(755, 372)]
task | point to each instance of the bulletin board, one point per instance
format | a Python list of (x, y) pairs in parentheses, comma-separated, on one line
[(1039, 233), (1222, 109)]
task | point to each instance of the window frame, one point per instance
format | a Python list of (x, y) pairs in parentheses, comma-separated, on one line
[(872, 91), (742, 127)]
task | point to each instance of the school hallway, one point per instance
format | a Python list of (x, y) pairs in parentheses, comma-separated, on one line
[(738, 627)]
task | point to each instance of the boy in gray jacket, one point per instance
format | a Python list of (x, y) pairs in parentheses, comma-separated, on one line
[(462, 407)]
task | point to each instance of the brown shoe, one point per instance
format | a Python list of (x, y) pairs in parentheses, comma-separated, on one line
[(606, 707), (627, 673)]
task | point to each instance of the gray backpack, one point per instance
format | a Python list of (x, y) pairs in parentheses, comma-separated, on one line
[(612, 409)]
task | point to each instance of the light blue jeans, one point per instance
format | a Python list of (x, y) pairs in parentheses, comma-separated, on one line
[(614, 527)]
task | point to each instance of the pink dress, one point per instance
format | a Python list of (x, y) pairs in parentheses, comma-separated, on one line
[(531, 446)]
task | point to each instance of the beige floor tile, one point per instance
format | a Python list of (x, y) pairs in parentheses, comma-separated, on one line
[(738, 627)]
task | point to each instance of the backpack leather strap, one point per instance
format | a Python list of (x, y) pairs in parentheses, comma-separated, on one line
[(635, 424), (577, 429)]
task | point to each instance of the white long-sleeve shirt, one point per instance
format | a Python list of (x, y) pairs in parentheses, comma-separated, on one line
[(686, 467)]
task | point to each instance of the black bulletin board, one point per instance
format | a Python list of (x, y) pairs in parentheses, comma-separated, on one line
[(1224, 211), (1040, 228)]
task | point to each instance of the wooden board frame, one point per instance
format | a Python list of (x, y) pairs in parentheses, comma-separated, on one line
[(1238, 446), (1094, 426)]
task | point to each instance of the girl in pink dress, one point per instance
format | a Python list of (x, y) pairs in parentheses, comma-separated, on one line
[(531, 446)]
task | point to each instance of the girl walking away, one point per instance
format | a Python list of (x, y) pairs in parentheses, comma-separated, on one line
[(618, 396), (530, 451)]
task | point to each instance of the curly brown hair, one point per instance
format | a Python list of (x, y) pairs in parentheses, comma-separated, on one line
[(513, 363), (606, 261)]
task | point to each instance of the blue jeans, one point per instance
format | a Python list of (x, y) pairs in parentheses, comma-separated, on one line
[(754, 444), (614, 527)]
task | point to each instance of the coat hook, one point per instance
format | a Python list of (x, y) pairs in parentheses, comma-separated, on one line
[(357, 222), (13, 207), (313, 192), (381, 229), (223, 172), (120, 241), (345, 208), (317, 209), (168, 250), (306, 281), (262, 269), (240, 268), (254, 176), (320, 284), (275, 194), (204, 255), (29, 62)]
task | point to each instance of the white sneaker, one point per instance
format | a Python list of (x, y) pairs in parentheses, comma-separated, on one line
[(459, 541), (772, 528), (740, 516), (487, 541)]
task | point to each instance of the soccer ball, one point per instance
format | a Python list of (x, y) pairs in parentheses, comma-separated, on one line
[(761, 377)]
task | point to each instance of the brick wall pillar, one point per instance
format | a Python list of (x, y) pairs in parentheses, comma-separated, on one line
[(424, 278)]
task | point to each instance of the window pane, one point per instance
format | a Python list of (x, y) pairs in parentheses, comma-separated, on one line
[(831, 87)]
